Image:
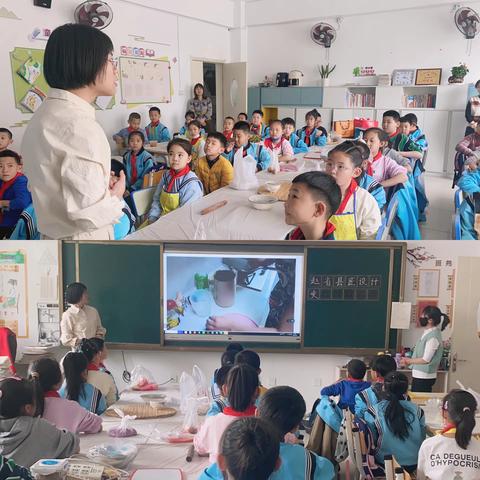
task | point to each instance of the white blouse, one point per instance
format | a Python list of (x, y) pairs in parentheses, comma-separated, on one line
[(67, 161)]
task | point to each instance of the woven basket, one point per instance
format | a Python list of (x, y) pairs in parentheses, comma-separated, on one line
[(142, 410), (281, 194)]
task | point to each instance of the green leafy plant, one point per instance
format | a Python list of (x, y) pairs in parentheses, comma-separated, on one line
[(356, 72), (460, 71), (325, 70)]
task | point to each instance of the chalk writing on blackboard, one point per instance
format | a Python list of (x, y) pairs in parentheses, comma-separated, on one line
[(361, 288)]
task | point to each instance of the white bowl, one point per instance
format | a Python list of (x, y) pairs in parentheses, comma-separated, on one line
[(153, 397), (262, 202), (272, 186)]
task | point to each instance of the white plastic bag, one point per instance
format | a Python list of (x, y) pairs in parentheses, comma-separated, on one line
[(244, 172), (190, 421), (274, 166), (203, 389), (123, 430), (188, 390), (142, 379)]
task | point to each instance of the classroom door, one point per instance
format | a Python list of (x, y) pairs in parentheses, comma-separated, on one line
[(465, 336), (234, 89)]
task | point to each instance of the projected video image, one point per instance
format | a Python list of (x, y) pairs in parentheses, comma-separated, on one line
[(210, 294)]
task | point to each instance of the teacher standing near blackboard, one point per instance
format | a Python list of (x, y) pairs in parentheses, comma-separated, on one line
[(428, 351), (202, 106), (472, 111), (66, 153)]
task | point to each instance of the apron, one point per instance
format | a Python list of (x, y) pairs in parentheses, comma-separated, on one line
[(169, 201), (345, 222)]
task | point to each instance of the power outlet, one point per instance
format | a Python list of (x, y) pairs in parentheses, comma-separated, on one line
[(317, 382)]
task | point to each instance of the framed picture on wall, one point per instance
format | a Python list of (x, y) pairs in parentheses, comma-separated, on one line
[(403, 78), (428, 283), (428, 76)]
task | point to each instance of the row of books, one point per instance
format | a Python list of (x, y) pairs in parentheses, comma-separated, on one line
[(361, 100), (420, 101)]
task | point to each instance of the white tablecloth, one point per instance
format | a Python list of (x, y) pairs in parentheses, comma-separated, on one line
[(152, 452)]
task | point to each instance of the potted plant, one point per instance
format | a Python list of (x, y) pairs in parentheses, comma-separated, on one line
[(325, 71), (458, 73)]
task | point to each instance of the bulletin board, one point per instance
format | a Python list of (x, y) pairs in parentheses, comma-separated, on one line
[(145, 80)]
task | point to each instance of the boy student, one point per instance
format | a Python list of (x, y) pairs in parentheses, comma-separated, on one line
[(179, 185), (14, 194), (298, 145), (241, 137), (137, 161), (309, 134), (228, 124), (189, 116), (284, 408), (348, 388), (155, 130), (409, 126), (318, 123), (134, 121), (277, 143), (6, 138), (257, 127), (404, 145), (242, 117), (391, 125), (197, 141), (312, 199), (214, 170), (381, 366)]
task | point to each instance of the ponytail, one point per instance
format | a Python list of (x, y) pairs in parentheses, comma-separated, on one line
[(396, 386), (44, 374), (74, 364), (90, 347), (461, 407), (445, 322)]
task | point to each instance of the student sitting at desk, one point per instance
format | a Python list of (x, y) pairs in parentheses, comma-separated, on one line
[(469, 183), (454, 453), (227, 359), (134, 122), (220, 401), (189, 116), (470, 147), (228, 125), (257, 128), (197, 142), (309, 134), (277, 143), (156, 130), (137, 162), (312, 199), (179, 185), (298, 145)]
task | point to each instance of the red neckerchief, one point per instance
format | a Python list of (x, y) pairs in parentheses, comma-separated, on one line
[(249, 412), (297, 234), (448, 427), (91, 367), (307, 136), (174, 175), (350, 191), (5, 348), (131, 129), (286, 138), (268, 143), (394, 134), (51, 394), (256, 129), (370, 165), (194, 141), (5, 186), (350, 379), (133, 162), (228, 134), (155, 124)]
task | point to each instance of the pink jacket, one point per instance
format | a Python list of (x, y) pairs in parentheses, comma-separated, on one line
[(385, 168), (69, 415)]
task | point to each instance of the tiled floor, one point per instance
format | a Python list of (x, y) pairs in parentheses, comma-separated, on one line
[(441, 209)]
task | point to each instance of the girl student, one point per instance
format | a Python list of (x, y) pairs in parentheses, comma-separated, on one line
[(428, 351), (241, 391), (96, 376), (47, 379), (309, 133), (398, 425), (454, 453), (25, 437), (358, 216), (77, 388)]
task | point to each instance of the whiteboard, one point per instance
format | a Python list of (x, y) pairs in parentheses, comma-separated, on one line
[(144, 80)]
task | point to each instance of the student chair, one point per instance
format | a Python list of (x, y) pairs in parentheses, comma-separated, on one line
[(424, 158), (458, 198), (387, 220), (152, 178), (142, 200), (354, 459)]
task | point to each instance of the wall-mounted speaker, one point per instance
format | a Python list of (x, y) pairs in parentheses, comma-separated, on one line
[(43, 3)]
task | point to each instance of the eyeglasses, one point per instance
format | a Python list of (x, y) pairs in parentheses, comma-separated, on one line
[(114, 62)]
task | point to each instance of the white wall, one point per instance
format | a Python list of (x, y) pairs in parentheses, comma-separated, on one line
[(398, 37), (206, 37)]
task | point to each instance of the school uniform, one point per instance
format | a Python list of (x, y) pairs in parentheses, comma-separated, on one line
[(403, 143), (137, 165), (259, 131), (16, 191), (298, 145), (104, 382), (78, 323), (198, 151), (405, 451), (469, 183), (69, 415), (228, 134), (183, 130), (207, 440), (26, 227), (296, 464), (358, 216), (256, 151), (367, 398), (90, 398), (297, 234), (175, 190), (126, 223), (368, 183), (217, 406), (67, 160), (158, 132), (9, 470), (345, 389), (382, 168), (419, 138), (310, 137), (281, 148), (214, 174), (441, 458), (125, 132)]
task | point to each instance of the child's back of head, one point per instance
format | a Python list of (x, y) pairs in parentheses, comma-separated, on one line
[(221, 375), (74, 365), (16, 398), (45, 375), (396, 387), (283, 407), (356, 369), (242, 387), (383, 365), (249, 450), (248, 357)]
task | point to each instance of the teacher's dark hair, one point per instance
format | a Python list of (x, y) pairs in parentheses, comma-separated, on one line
[(74, 292), (461, 407), (75, 55), (203, 91), (436, 315)]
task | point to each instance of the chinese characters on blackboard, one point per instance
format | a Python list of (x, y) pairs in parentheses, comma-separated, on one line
[(344, 288)]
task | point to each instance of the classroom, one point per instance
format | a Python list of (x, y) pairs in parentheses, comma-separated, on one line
[(172, 175)]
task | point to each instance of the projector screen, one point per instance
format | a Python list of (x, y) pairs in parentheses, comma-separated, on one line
[(224, 296)]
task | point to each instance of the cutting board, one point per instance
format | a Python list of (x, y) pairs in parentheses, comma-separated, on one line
[(282, 193)]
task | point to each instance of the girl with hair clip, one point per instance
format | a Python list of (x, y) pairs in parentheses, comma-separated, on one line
[(428, 351), (26, 437), (46, 378), (358, 216), (77, 388), (398, 425), (454, 453), (99, 378)]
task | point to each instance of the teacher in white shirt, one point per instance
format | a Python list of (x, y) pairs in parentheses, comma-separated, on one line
[(66, 153)]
